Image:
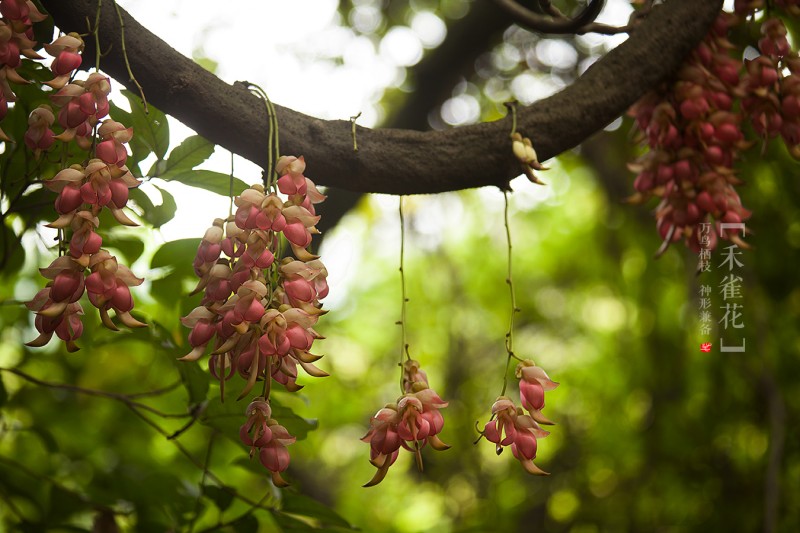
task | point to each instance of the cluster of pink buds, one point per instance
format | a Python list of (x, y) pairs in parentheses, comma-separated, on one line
[(82, 104), (16, 40), (82, 193), (260, 304), (772, 85), (412, 422), (511, 426), (693, 130), (103, 181), (263, 433)]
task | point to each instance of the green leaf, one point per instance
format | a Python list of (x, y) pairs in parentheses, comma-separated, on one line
[(289, 523), (178, 254), (294, 424), (47, 438), (3, 392), (207, 179), (222, 499), (194, 379), (35, 206), (142, 201), (190, 153), (303, 505), (157, 215), (63, 504), (178, 257), (245, 524), (130, 247), (164, 212), (150, 130), (12, 254)]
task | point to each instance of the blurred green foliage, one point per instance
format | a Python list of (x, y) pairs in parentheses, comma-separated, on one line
[(651, 434)]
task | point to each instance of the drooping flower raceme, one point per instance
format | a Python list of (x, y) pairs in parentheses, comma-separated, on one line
[(84, 190), (263, 434), (411, 422), (510, 426), (260, 304)]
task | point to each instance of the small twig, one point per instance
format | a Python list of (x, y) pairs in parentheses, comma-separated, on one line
[(353, 130), (135, 409), (155, 392), (124, 398), (512, 107), (206, 462), (195, 412), (233, 492)]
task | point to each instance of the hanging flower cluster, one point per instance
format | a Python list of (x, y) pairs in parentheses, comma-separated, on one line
[(103, 181), (512, 427), (16, 40), (260, 305), (263, 433), (411, 422), (693, 128)]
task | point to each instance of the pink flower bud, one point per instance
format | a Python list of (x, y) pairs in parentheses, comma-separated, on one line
[(68, 285), (65, 63)]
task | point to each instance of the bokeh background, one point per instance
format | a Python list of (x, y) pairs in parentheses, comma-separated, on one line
[(651, 435)]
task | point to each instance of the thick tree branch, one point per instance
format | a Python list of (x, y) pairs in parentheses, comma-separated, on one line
[(556, 22), (389, 160), (432, 80)]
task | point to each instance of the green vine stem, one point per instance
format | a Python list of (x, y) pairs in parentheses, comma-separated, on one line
[(509, 342), (270, 178), (402, 322), (230, 191), (131, 77), (96, 32)]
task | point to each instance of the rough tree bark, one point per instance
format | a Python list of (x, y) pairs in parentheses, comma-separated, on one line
[(397, 161)]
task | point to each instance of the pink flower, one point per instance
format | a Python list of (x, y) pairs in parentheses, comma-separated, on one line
[(299, 225), (534, 382), (204, 326), (412, 422), (68, 279), (209, 249), (514, 428), (257, 210), (39, 136), (112, 150), (66, 51), (108, 288), (305, 283), (270, 438), (61, 318)]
